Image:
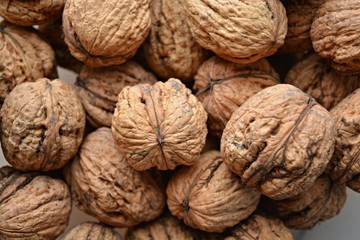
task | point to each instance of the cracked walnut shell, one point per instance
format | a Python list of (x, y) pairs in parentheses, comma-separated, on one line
[(279, 141), (163, 125), (42, 125), (91, 231)]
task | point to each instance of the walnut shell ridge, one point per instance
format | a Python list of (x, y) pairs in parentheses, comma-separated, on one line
[(163, 125), (91, 231), (279, 141)]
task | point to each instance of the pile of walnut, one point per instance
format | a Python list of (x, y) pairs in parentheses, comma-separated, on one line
[(181, 125)]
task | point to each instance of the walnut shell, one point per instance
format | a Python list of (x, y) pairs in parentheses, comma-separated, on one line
[(314, 76), (335, 34), (223, 86), (28, 13), (91, 231), (99, 88), (32, 206), (238, 31), (105, 186), (26, 57), (170, 50), (105, 33), (163, 125), (208, 196), (322, 201), (42, 125), (279, 141)]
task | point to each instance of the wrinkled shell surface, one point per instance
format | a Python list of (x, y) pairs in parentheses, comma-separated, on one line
[(223, 86), (322, 201), (279, 141), (208, 196), (105, 33), (91, 231), (42, 125), (163, 125), (105, 186), (238, 31), (335, 34), (314, 76), (32, 207), (99, 88)]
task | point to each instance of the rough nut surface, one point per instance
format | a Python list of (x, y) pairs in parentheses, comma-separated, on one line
[(335, 34), (42, 125), (223, 86), (238, 31), (99, 88), (279, 141), (28, 13), (25, 57), (314, 76), (91, 231), (163, 125), (170, 50), (208, 196), (105, 186), (105, 33), (32, 207), (322, 201)]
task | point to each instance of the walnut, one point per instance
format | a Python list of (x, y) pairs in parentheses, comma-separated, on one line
[(223, 86), (42, 125), (322, 201), (105, 33), (170, 50), (98, 89), (28, 13), (105, 186), (314, 76), (208, 196), (163, 125), (91, 231), (335, 34), (279, 141), (238, 31), (25, 57), (32, 206)]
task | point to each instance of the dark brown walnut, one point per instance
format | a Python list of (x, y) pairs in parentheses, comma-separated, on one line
[(105, 186), (42, 125), (91, 231), (163, 125), (223, 86), (208, 196), (335, 34), (32, 206), (99, 88), (105, 33), (25, 57), (279, 141), (314, 76), (322, 201), (28, 13), (238, 31), (170, 50)]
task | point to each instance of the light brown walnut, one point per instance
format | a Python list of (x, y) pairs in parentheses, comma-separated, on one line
[(91, 231)]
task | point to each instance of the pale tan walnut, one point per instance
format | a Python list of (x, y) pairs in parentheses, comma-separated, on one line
[(25, 57), (42, 125), (105, 33), (279, 141), (32, 206), (99, 88), (208, 196), (322, 201), (335, 34), (28, 13), (105, 186), (223, 86), (163, 125), (314, 76), (238, 31), (170, 50), (91, 231)]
